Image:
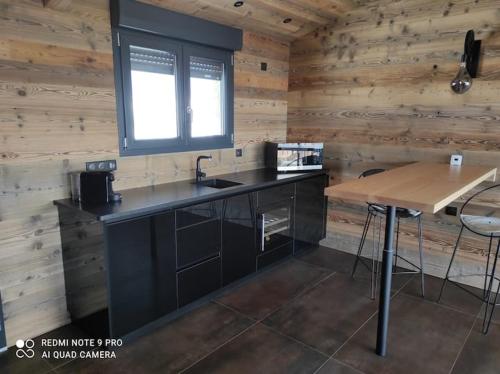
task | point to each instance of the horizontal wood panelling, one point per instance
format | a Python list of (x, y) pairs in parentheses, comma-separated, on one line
[(58, 110), (374, 87)]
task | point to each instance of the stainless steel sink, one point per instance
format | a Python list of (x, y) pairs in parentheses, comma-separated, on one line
[(217, 183)]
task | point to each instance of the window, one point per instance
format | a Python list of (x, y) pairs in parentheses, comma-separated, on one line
[(154, 97), (174, 96), (206, 93)]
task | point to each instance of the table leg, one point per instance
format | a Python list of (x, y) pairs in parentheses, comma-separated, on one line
[(385, 284)]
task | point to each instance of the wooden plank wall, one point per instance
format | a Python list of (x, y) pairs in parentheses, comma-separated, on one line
[(57, 110), (374, 86)]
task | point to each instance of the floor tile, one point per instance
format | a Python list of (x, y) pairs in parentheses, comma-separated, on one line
[(496, 313), (272, 289), (453, 296), (423, 338), (342, 262), (11, 364), (172, 347), (327, 315), (335, 367), (337, 261), (481, 352), (260, 350)]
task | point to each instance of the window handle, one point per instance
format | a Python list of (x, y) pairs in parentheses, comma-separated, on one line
[(189, 111)]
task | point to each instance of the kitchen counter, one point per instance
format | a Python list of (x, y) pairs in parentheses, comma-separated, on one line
[(147, 200)]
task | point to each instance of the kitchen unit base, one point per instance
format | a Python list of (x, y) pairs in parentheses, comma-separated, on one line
[(127, 276)]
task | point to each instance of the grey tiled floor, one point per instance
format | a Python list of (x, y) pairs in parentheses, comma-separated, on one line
[(306, 315)]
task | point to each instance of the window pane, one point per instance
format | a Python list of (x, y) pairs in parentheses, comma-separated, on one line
[(153, 93), (206, 79)]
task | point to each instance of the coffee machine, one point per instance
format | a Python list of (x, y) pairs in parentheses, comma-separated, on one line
[(95, 185)]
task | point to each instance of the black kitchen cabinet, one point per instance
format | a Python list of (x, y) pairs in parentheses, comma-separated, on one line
[(142, 274), (198, 250), (271, 196), (238, 237), (310, 210), (197, 243), (129, 265), (199, 280)]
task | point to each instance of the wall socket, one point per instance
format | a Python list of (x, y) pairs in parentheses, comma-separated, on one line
[(239, 152), (451, 210), (107, 165), (456, 160)]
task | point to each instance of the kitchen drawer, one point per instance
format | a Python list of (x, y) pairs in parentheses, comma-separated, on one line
[(199, 280), (195, 214), (198, 242), (272, 195)]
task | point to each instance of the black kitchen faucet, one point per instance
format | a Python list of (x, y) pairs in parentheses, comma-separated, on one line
[(199, 173)]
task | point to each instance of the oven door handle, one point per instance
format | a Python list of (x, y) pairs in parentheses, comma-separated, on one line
[(262, 218)]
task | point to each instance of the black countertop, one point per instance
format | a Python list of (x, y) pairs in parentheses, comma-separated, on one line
[(148, 200)]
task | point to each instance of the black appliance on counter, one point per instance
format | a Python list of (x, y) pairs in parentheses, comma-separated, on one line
[(292, 157), (3, 340), (96, 187)]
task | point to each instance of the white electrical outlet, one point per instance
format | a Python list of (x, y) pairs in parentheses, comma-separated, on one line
[(456, 160)]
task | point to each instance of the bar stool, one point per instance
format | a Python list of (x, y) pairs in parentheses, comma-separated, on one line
[(376, 211), (487, 226)]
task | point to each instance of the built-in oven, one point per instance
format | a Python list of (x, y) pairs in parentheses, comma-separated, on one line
[(275, 225), (290, 157)]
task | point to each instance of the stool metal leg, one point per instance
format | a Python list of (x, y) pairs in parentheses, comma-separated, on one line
[(445, 280), (421, 253), (362, 242), (487, 320), (373, 275), (487, 266), (493, 305)]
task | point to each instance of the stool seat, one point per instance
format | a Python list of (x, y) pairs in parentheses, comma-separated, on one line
[(483, 225)]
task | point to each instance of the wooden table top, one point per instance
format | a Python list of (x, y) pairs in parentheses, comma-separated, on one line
[(424, 186)]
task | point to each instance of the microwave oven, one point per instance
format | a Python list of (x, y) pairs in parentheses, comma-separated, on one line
[(285, 157)]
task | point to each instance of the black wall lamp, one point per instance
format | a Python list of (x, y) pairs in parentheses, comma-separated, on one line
[(468, 64)]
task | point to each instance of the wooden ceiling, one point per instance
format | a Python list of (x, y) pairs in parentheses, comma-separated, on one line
[(265, 16)]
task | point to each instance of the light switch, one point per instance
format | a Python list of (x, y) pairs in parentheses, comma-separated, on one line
[(456, 160)]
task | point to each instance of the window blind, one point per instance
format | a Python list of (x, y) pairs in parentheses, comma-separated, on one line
[(152, 60), (205, 68)]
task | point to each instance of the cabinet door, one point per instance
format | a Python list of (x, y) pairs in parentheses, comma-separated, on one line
[(271, 196), (199, 280), (238, 237), (310, 209), (141, 267), (198, 233)]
